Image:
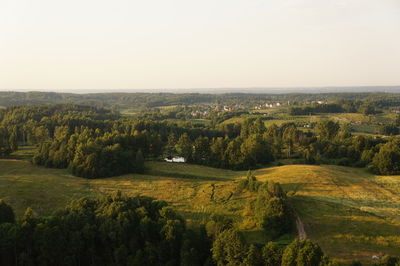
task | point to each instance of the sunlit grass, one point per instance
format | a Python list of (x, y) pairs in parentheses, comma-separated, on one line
[(336, 203)]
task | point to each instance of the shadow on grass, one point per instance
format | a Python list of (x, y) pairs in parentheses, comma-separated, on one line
[(183, 176), (324, 218)]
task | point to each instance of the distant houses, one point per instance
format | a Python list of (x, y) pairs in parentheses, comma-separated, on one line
[(268, 105)]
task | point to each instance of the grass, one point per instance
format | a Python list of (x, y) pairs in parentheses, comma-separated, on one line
[(23, 185), (195, 191), (349, 212), (191, 171)]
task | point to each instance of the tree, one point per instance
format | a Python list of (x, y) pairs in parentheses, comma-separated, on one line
[(272, 254), (389, 261), (229, 248), (106, 230), (387, 160), (253, 257), (327, 129), (139, 162), (368, 109), (235, 157), (184, 146), (290, 135), (6, 213), (272, 211), (217, 224), (274, 216), (255, 150), (201, 150), (389, 130), (302, 253)]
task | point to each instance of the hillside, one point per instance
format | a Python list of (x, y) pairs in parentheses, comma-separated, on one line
[(350, 213)]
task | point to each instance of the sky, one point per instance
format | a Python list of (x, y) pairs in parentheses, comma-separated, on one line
[(155, 44)]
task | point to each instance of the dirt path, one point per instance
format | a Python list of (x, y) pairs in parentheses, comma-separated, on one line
[(300, 229)]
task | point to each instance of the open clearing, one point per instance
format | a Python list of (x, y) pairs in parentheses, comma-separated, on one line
[(349, 212)]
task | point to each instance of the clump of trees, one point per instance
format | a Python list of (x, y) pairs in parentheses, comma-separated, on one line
[(387, 160), (317, 108), (250, 183), (8, 140), (91, 153), (230, 248), (340, 106), (248, 149), (272, 210), (389, 130), (108, 230)]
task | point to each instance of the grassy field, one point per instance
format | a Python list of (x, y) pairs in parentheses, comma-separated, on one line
[(349, 212)]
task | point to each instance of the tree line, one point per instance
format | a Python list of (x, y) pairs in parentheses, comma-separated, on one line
[(95, 142), (341, 106)]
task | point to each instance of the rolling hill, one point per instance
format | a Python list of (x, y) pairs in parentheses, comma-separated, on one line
[(349, 212)]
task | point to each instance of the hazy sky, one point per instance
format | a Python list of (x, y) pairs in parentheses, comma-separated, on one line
[(120, 44)]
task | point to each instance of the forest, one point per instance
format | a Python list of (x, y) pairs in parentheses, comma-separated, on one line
[(94, 142)]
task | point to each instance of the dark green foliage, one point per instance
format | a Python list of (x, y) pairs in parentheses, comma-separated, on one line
[(253, 256), (387, 160), (229, 248), (250, 183), (274, 216), (389, 130), (195, 248), (302, 253), (217, 224), (368, 109), (317, 108), (389, 261), (96, 142), (6, 213), (327, 129), (272, 254), (8, 140), (91, 154), (272, 210), (139, 162), (109, 230)]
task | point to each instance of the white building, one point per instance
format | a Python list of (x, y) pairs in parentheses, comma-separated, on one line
[(175, 160)]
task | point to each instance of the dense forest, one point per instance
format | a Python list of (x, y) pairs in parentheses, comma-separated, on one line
[(95, 142)]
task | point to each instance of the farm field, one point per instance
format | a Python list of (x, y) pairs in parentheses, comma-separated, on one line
[(349, 212)]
